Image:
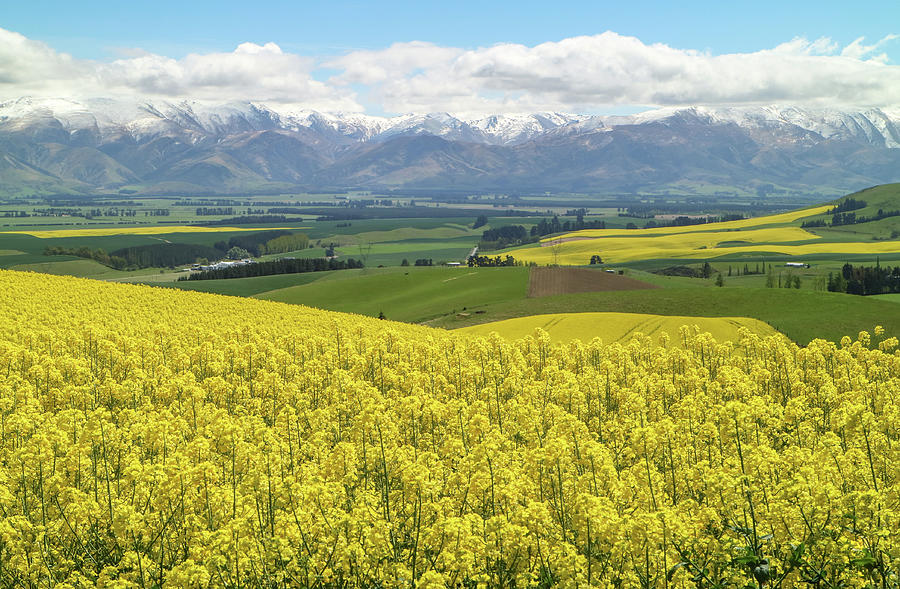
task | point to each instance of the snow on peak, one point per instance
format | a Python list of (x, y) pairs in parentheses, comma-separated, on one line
[(108, 116)]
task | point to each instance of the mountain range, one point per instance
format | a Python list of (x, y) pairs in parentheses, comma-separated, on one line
[(58, 146)]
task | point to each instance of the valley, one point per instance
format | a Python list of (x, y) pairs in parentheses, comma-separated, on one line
[(773, 268)]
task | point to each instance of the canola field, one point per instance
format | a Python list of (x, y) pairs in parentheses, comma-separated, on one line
[(759, 235), (160, 438), (740, 225), (131, 230), (619, 327)]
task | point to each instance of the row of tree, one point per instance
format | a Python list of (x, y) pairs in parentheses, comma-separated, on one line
[(249, 220), (554, 225), (505, 236), (259, 242), (281, 266), (841, 214), (162, 255), (489, 262), (865, 280), (158, 255)]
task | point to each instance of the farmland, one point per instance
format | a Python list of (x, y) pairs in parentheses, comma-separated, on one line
[(544, 282), (776, 235), (414, 295), (620, 327), (128, 230), (802, 315), (170, 438), (748, 253)]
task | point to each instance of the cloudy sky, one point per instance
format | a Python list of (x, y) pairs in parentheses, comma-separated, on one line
[(463, 57)]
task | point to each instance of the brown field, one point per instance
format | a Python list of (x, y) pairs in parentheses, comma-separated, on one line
[(544, 282)]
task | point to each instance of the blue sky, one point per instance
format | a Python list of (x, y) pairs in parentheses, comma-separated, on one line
[(464, 56), (95, 29)]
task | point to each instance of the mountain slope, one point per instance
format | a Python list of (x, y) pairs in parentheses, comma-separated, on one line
[(101, 145)]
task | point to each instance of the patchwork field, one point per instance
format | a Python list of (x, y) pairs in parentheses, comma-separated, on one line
[(619, 327), (801, 315), (781, 219), (544, 282), (408, 294), (774, 236), (701, 243), (131, 230)]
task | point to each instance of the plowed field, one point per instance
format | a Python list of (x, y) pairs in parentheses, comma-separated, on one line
[(545, 282)]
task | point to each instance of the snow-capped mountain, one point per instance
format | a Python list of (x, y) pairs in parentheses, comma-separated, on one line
[(100, 144)]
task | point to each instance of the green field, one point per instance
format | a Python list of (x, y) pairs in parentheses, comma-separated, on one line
[(894, 298), (409, 294), (247, 287), (454, 297), (459, 297), (799, 314)]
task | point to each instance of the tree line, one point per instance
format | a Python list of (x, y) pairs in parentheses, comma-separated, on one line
[(162, 255), (865, 280), (489, 262), (842, 214), (281, 266), (266, 242), (141, 256)]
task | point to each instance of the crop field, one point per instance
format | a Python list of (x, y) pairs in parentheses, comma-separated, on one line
[(131, 230), (157, 437), (777, 235), (740, 225), (620, 327), (544, 282), (700, 243), (801, 315)]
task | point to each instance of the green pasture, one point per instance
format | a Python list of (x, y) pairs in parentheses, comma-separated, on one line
[(893, 298), (802, 315), (411, 294), (247, 287)]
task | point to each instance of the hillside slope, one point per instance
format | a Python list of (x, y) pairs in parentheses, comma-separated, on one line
[(104, 145), (171, 438)]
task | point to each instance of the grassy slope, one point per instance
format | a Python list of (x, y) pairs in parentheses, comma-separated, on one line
[(409, 294), (801, 315), (247, 287), (894, 298)]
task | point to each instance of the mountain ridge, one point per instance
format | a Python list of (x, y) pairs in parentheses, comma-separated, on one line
[(105, 144)]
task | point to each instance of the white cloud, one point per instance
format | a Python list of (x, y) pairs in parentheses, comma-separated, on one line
[(857, 50), (400, 59), (579, 74), (251, 72), (589, 73)]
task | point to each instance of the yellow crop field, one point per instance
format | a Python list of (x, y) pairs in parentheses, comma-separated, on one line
[(751, 223), (702, 244), (705, 244), (619, 327), (134, 230), (162, 438)]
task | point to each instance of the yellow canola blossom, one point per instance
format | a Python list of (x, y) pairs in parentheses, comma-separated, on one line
[(696, 244), (133, 230), (619, 327), (160, 438), (751, 223)]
